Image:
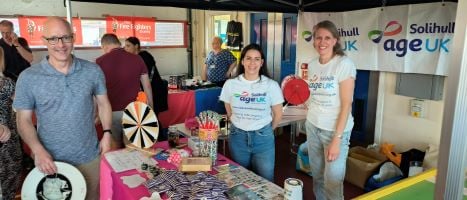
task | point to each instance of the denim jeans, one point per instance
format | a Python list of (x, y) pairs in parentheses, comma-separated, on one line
[(254, 150), (328, 177)]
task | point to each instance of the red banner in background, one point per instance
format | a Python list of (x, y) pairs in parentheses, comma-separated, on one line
[(143, 28), (77, 30), (31, 28)]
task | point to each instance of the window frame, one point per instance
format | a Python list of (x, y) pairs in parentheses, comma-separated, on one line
[(184, 23)]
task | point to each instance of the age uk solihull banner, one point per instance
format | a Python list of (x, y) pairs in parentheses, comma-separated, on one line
[(31, 27), (409, 39), (143, 28)]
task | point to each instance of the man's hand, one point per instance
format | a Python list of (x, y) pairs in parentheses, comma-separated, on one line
[(5, 133), (14, 39), (105, 143), (44, 162)]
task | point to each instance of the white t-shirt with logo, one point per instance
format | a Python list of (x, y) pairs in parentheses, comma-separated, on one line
[(323, 82), (251, 101)]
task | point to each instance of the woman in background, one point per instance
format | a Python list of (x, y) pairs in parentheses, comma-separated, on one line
[(10, 149), (253, 102), (329, 120), (159, 87)]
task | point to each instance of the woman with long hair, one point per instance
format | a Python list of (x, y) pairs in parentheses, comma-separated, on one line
[(159, 87), (10, 148), (253, 102), (329, 120)]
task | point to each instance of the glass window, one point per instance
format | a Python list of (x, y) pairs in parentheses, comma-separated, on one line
[(168, 33), (220, 27), (92, 31)]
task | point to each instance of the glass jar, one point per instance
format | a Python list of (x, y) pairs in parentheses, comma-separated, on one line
[(173, 136)]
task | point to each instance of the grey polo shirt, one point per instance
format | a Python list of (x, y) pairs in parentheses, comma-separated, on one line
[(63, 104)]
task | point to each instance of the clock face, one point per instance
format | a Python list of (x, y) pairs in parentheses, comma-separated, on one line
[(140, 124)]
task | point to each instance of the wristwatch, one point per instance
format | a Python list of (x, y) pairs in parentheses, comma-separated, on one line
[(107, 130), (338, 136)]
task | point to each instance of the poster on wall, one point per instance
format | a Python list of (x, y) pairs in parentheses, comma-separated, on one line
[(127, 26), (409, 39), (31, 28)]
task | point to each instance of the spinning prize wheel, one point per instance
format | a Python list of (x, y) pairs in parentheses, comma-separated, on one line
[(295, 90), (140, 124)]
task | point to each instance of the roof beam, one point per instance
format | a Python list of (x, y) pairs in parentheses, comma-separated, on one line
[(286, 3), (314, 3)]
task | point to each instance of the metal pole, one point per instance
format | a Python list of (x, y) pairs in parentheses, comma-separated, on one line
[(453, 145), (68, 15), (190, 44)]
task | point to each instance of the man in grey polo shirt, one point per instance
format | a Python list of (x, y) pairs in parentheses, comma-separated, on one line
[(61, 90)]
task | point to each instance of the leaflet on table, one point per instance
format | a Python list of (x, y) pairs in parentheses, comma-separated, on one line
[(124, 160), (237, 175)]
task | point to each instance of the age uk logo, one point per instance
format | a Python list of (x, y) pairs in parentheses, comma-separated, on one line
[(392, 28), (422, 37)]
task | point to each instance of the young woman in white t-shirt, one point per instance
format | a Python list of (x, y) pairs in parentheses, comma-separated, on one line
[(254, 106), (329, 121)]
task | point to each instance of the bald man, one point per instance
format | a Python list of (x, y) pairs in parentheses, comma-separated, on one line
[(61, 90), (219, 64)]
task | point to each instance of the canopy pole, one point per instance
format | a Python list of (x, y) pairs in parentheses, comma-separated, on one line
[(68, 12), (452, 159), (68, 16)]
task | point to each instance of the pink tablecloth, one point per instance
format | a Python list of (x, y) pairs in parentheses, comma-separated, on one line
[(112, 187), (181, 106)]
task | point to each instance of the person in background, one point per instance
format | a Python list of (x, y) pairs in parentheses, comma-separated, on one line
[(18, 55), (219, 64), (124, 73), (159, 87), (329, 120), (10, 147), (61, 90), (253, 102)]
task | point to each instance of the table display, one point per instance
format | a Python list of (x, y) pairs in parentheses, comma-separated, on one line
[(292, 115), (117, 185)]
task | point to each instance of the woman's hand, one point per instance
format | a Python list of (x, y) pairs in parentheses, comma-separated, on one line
[(5, 133), (333, 150)]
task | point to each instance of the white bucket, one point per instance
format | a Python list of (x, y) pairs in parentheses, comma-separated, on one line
[(293, 189)]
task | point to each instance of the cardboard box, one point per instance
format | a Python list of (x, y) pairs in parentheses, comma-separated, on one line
[(361, 164), (195, 164)]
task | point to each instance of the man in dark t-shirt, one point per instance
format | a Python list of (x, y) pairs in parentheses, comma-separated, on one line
[(124, 72), (18, 56)]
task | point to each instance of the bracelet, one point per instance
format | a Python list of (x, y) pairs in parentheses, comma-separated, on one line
[(107, 130), (338, 136)]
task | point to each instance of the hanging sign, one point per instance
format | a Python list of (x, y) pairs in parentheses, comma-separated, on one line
[(31, 28), (407, 39), (143, 28)]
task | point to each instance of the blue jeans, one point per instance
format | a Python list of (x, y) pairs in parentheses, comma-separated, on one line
[(254, 150), (328, 177)]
